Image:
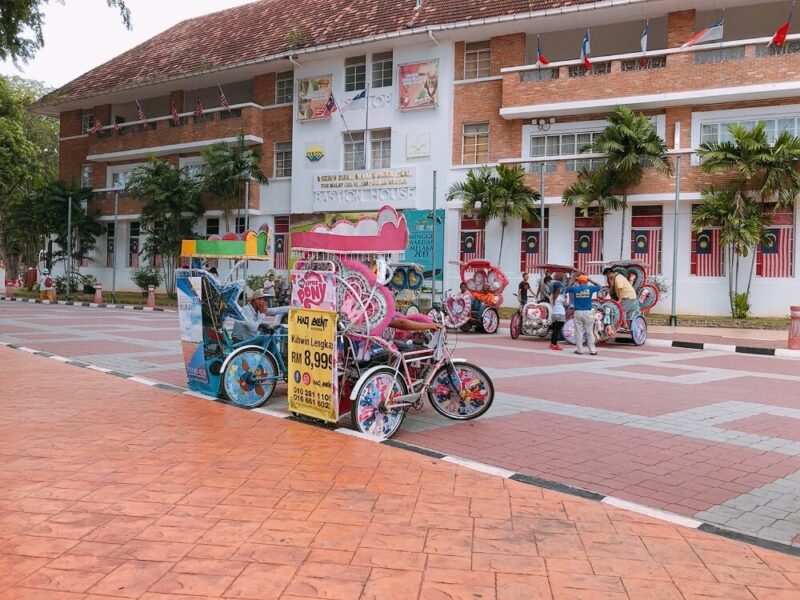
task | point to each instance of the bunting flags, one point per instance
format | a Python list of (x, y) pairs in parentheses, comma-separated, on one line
[(780, 34), (643, 39), (176, 118), (223, 101), (586, 52), (540, 59), (198, 108), (712, 33), (96, 127)]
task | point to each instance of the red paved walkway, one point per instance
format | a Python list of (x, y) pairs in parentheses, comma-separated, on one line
[(109, 489)]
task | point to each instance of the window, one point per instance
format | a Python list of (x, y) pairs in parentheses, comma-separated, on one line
[(133, 244), (284, 87), (283, 159), (382, 67), (110, 244), (477, 60), (717, 131), (475, 144), (194, 170), (355, 73), (380, 142), (87, 120), (119, 179), (241, 223), (212, 227), (86, 176), (788, 47), (563, 145), (354, 155)]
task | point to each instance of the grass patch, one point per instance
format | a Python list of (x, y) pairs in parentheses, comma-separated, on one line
[(131, 298)]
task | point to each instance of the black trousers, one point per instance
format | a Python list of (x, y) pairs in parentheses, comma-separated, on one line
[(556, 328)]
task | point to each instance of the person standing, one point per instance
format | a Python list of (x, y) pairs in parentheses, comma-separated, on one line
[(524, 288), (47, 286), (582, 292), (557, 301), (269, 290)]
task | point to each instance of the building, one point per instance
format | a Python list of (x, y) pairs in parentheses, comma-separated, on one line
[(448, 85)]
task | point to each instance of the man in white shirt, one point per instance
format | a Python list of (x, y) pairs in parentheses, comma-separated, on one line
[(257, 312)]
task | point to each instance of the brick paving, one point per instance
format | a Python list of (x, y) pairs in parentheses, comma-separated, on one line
[(111, 489), (705, 434)]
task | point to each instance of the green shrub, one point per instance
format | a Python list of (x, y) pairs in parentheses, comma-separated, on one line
[(256, 282), (741, 305), (146, 276)]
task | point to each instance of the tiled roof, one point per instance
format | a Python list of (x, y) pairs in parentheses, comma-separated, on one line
[(261, 29)]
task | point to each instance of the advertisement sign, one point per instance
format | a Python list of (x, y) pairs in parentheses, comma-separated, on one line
[(420, 242), (190, 323), (313, 389), (313, 290), (315, 98), (365, 190), (418, 85)]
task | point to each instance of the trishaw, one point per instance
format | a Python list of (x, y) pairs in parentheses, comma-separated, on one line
[(535, 318), (345, 268), (406, 283), (477, 307)]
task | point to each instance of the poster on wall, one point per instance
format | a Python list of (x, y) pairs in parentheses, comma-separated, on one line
[(418, 85), (190, 324), (420, 240), (315, 98), (313, 389)]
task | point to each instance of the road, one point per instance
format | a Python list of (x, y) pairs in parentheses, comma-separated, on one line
[(703, 434)]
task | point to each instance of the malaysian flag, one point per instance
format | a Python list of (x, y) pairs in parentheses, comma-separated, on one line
[(96, 127), (531, 251), (140, 114), (176, 118), (707, 253), (775, 253), (588, 250), (198, 108), (280, 251), (646, 248), (471, 245), (223, 101)]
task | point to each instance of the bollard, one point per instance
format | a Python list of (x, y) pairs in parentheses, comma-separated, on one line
[(794, 328), (151, 296), (98, 293)]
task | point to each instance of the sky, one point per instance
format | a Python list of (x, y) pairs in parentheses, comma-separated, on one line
[(82, 34)]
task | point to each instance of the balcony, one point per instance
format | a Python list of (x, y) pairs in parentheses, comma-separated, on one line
[(160, 136), (736, 71)]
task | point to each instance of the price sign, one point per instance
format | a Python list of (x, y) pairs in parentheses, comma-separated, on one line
[(312, 364)]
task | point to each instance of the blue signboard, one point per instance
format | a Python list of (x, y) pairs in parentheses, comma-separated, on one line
[(420, 244)]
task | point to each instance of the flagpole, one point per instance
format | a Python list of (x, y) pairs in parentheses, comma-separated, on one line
[(367, 155)]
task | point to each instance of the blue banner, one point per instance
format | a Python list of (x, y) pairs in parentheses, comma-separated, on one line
[(420, 243)]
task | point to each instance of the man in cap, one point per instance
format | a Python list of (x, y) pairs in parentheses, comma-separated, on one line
[(582, 293), (256, 313)]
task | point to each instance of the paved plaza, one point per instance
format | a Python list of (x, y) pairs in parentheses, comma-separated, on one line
[(706, 435), (112, 489)]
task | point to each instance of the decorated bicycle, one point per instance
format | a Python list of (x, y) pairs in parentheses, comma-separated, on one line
[(535, 318), (406, 283), (480, 295)]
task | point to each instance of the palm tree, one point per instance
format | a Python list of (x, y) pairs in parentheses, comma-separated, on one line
[(631, 143), (171, 210), (226, 169), (51, 210), (761, 172), (592, 189), (500, 194)]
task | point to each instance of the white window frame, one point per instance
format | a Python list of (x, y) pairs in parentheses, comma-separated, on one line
[(284, 87), (282, 158), (464, 141), (349, 143), (219, 224), (352, 65), (87, 174), (87, 119), (380, 148), (192, 164), (380, 60), (239, 224), (481, 57), (111, 171)]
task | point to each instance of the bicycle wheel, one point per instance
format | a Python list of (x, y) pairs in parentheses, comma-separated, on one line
[(249, 377), (368, 409), (461, 391), (516, 325)]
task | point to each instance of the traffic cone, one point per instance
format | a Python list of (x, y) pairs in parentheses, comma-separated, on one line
[(151, 296), (98, 293)]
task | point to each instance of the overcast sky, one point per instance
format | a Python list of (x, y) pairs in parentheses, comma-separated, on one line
[(85, 33)]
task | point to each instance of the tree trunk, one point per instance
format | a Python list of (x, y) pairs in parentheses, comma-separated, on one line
[(752, 269), (500, 254)]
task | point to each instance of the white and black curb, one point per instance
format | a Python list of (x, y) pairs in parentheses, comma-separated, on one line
[(654, 513), (87, 304)]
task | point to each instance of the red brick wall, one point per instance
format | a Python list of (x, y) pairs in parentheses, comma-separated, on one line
[(680, 27), (103, 113), (176, 97), (71, 156), (70, 123), (277, 127), (264, 89)]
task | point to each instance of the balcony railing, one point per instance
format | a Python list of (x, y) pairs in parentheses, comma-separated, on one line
[(152, 124)]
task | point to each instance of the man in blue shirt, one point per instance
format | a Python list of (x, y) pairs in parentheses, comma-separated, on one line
[(584, 318)]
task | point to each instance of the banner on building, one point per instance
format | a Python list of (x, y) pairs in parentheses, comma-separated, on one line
[(315, 98), (418, 85), (420, 240), (313, 389)]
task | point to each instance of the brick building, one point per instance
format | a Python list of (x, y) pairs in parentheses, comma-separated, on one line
[(448, 85)]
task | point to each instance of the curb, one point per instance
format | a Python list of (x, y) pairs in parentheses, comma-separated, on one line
[(87, 304), (663, 343), (673, 518)]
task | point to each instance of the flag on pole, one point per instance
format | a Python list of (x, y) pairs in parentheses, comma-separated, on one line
[(198, 108), (356, 102), (176, 118), (140, 114), (775, 253), (96, 127), (643, 40), (540, 59), (330, 106), (780, 34), (712, 33), (223, 101), (586, 52), (707, 254)]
